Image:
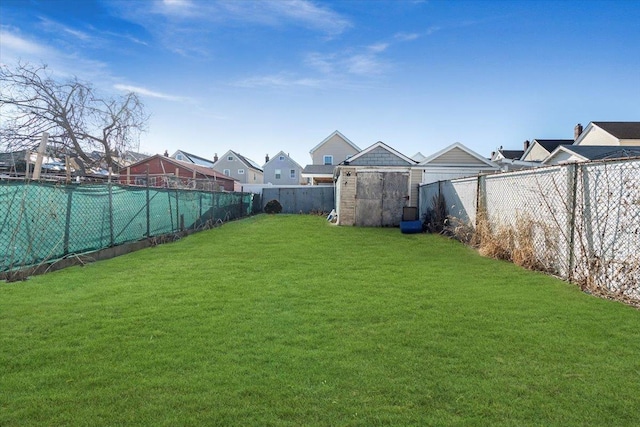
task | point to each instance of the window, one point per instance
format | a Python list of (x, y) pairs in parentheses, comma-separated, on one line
[(179, 157), (292, 173), (328, 160), (240, 171), (278, 173), (227, 172), (281, 158), (230, 158)]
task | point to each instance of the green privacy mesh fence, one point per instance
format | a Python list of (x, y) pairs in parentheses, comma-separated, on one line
[(41, 222)]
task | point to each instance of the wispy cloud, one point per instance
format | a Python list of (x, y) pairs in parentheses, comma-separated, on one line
[(148, 92), (54, 27), (280, 80), (11, 43), (406, 37), (183, 25), (378, 47), (364, 62)]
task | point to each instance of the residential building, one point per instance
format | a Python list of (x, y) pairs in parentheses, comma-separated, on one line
[(192, 158), (330, 152), (539, 149), (455, 161), (282, 170), (608, 133), (240, 168), (163, 171), (584, 153)]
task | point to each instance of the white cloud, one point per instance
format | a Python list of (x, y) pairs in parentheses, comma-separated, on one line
[(405, 37), (278, 81), (147, 92), (303, 13), (11, 43), (379, 47)]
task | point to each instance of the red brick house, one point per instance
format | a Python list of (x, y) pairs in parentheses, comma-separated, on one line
[(167, 172)]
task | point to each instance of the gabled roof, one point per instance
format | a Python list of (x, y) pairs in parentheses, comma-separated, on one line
[(551, 144), (245, 160), (185, 165), (418, 157), (375, 146), (192, 157), (282, 153), (596, 152), (547, 144), (334, 133), (621, 130), (511, 154), (439, 158)]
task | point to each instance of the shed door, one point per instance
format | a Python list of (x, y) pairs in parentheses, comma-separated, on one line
[(380, 197)]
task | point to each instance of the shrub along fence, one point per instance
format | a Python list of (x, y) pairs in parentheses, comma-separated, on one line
[(579, 221), (42, 222)]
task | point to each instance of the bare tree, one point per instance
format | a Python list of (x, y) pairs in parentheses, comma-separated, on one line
[(78, 120)]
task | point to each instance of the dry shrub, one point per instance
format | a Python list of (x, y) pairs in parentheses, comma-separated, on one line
[(528, 244)]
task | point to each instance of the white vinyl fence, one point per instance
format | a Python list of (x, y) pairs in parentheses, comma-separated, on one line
[(582, 219)]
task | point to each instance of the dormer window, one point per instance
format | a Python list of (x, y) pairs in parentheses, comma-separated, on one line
[(328, 160), (179, 157)]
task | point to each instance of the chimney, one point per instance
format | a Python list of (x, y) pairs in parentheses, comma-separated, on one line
[(266, 158), (215, 157), (577, 131), (166, 153), (526, 145)]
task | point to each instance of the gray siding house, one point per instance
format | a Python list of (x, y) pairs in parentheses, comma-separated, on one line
[(245, 170), (282, 170)]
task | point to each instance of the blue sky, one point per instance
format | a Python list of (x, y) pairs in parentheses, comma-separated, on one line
[(263, 76)]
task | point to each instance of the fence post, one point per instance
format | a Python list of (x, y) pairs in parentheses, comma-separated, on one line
[(67, 227), (481, 201), (177, 210), (572, 175), (109, 185), (148, 206)]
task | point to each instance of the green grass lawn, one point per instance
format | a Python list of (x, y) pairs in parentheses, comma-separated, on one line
[(288, 320)]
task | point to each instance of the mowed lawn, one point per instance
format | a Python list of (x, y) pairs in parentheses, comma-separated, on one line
[(288, 320)]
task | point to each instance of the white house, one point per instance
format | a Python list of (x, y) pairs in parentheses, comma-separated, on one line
[(608, 133), (455, 161)]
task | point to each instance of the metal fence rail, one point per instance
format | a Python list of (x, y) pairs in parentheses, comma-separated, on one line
[(42, 222), (582, 221)]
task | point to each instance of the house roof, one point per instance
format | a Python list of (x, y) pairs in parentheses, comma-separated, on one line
[(551, 144), (473, 156), (192, 157), (382, 145), (418, 157), (621, 130), (203, 170), (334, 133), (245, 160), (318, 170), (511, 154), (597, 152), (282, 153)]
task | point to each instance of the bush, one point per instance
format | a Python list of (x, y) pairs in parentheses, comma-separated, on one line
[(273, 207)]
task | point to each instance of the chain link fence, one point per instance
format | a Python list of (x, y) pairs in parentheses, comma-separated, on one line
[(578, 221), (43, 222)]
